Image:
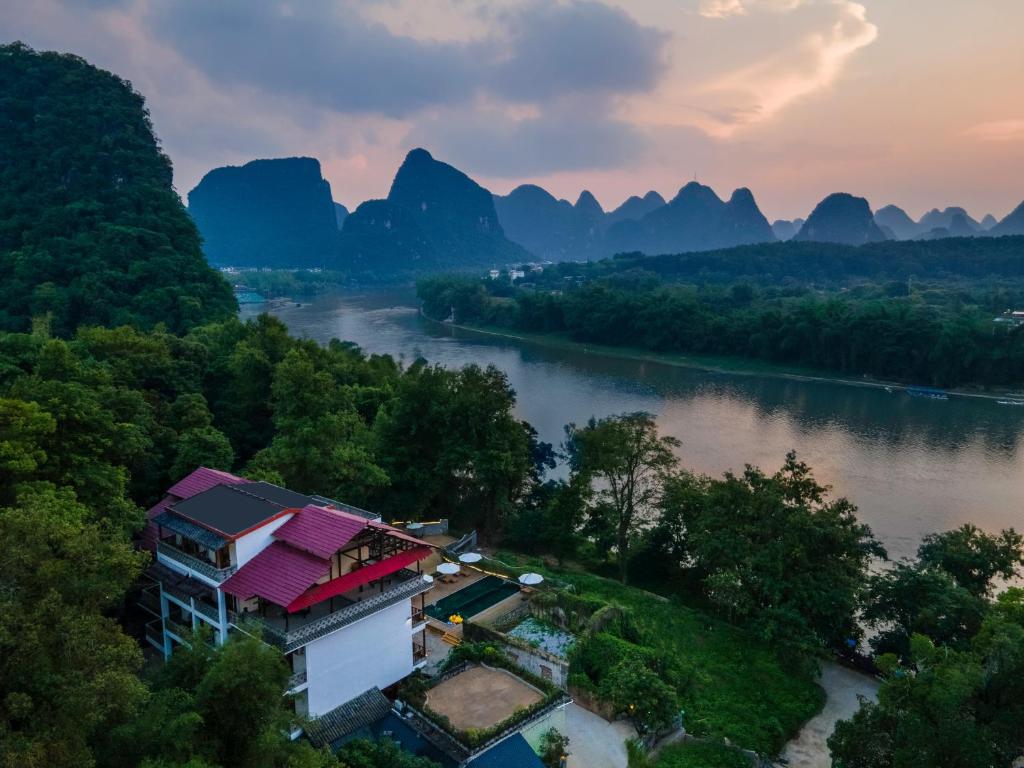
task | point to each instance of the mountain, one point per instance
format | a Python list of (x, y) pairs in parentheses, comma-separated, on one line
[(635, 208), (841, 218), (989, 221), (696, 219), (895, 220), (340, 214), (435, 217), (1013, 224), (550, 228), (267, 213), (944, 219), (91, 229), (783, 229)]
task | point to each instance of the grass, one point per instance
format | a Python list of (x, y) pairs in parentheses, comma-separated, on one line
[(739, 689), (696, 755)]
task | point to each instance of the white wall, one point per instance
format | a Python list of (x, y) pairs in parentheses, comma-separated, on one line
[(375, 651), (251, 544)]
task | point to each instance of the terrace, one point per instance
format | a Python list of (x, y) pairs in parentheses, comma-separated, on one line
[(289, 631)]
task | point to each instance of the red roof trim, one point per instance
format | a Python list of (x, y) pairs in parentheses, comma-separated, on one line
[(357, 578)]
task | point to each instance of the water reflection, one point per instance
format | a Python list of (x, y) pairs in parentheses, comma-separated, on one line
[(912, 465)]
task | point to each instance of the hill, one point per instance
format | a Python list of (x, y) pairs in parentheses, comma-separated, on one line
[(435, 217), (1013, 224), (841, 218), (91, 230), (695, 219), (267, 213)]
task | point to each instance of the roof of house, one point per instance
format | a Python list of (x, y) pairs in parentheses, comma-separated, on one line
[(202, 479), (233, 510), (190, 530), (279, 573), (366, 708), (513, 752), (197, 481), (321, 531)]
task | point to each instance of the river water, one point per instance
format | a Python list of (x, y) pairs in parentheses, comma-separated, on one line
[(912, 466)]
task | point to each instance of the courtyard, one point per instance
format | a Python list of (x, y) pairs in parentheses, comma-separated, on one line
[(480, 697)]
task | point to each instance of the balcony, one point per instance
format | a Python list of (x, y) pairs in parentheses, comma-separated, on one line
[(155, 632), (150, 601), (299, 678), (321, 621), (195, 564)]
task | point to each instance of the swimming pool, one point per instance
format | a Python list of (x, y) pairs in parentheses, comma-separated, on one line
[(477, 597)]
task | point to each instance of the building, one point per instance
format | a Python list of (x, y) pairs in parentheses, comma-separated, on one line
[(338, 591), (1011, 317)]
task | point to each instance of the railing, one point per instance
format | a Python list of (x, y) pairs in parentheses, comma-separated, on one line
[(155, 632), (193, 563), (150, 601), (419, 653), (180, 630), (296, 638), (209, 611), (418, 616), (466, 544), (296, 680)]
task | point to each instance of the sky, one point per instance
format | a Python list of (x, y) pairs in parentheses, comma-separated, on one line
[(919, 103)]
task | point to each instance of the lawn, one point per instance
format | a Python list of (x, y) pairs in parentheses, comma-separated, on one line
[(739, 689), (701, 756)]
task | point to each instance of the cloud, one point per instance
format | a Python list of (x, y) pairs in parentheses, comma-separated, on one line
[(723, 9), (760, 91), (563, 138), (330, 54), (997, 130)]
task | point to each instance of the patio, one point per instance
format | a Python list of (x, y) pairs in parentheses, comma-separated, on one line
[(480, 697)]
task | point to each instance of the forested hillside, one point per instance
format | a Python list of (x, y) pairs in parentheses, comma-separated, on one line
[(91, 230)]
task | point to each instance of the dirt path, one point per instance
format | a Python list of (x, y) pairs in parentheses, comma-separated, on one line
[(842, 686)]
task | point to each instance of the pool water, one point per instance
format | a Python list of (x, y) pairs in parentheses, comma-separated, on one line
[(471, 600)]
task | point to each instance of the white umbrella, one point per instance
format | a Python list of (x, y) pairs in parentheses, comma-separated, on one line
[(448, 569), (413, 526), (531, 578), (428, 578), (471, 557)]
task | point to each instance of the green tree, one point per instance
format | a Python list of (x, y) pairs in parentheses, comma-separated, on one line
[(67, 673), (626, 463), (636, 691), (554, 746), (974, 558), (363, 753), (241, 703), (772, 550)]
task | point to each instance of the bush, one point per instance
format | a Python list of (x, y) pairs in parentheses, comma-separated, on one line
[(553, 747)]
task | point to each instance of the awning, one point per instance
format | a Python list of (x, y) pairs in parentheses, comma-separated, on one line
[(191, 531), (279, 573), (357, 578)]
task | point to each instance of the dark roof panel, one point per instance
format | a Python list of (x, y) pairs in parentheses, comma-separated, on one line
[(363, 710), (190, 530), (231, 510), (274, 493)]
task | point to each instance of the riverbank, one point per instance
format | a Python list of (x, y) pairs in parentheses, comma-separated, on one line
[(730, 365)]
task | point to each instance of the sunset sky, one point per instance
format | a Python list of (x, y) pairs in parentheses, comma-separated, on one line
[(913, 102)]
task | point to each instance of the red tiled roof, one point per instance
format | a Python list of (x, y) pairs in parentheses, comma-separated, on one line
[(357, 578), (320, 530), (279, 573), (202, 479), (398, 534)]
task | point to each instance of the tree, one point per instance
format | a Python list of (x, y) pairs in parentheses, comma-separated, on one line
[(202, 447), (974, 558), (626, 463), (636, 691), (241, 700), (771, 550), (913, 598), (554, 747), (67, 673), (363, 753)]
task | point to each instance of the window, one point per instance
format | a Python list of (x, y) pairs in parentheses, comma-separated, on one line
[(545, 672)]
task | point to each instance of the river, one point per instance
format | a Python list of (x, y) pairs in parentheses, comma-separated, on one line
[(912, 466)]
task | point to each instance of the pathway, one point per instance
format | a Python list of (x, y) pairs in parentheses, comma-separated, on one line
[(593, 741), (809, 749)]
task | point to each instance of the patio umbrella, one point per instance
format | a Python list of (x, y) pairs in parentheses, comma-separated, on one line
[(530, 579), (413, 526), (428, 578), (448, 569), (471, 557)]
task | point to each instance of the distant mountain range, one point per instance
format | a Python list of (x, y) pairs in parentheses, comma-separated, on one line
[(280, 213)]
